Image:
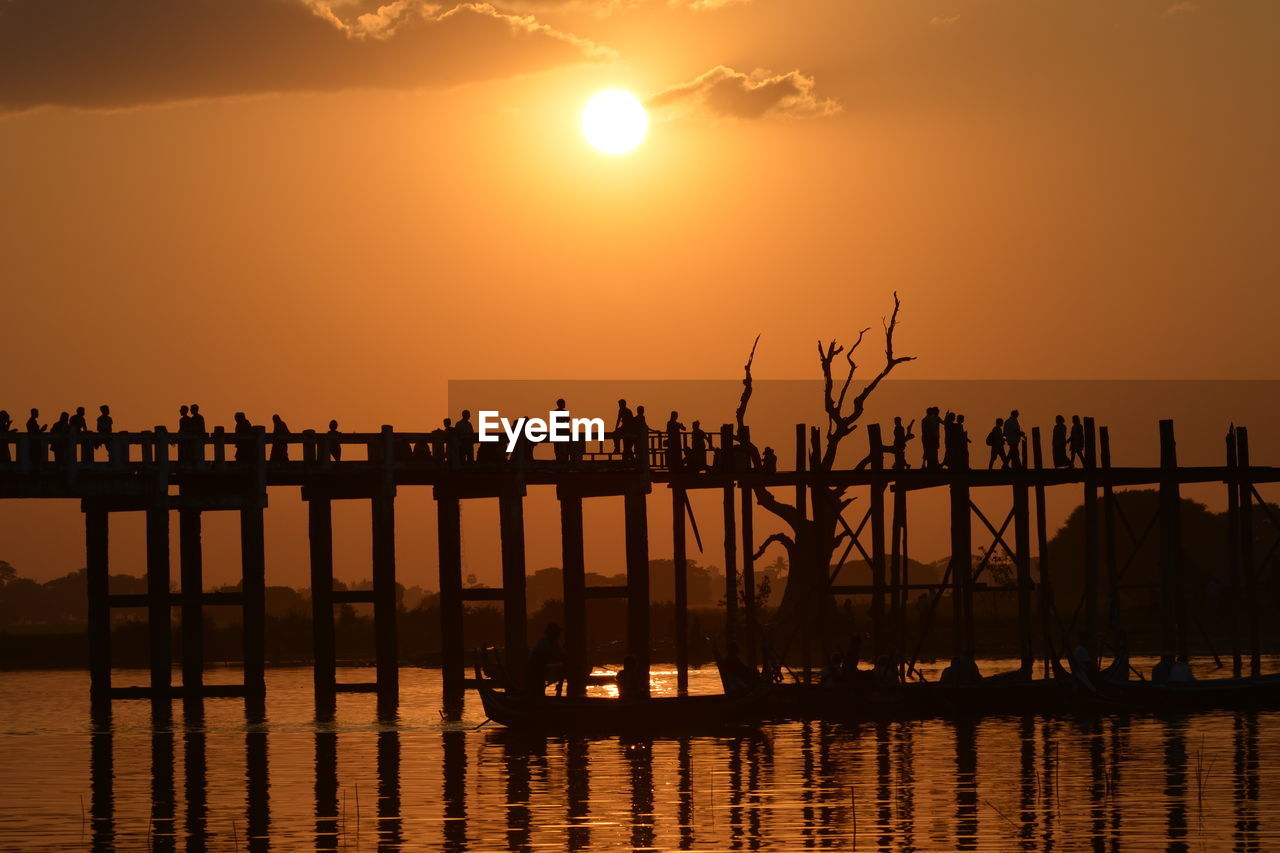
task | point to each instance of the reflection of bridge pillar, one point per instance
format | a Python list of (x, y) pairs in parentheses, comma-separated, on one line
[(575, 590), (449, 524), (637, 543)]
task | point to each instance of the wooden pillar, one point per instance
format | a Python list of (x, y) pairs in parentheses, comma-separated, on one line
[(1091, 537), (158, 613), (191, 570), (1045, 599), (1233, 554), (730, 539), (575, 590), (961, 565), (637, 542), (748, 559), (1109, 533), (385, 604), (802, 542), (515, 619), (901, 577), (681, 567), (254, 607), (1174, 633), (879, 643), (324, 652), (97, 578), (1247, 560), (1022, 563), (449, 537)]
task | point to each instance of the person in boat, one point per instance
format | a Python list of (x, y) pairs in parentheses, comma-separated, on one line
[(1180, 672), (734, 672), (1118, 669), (546, 653), (1160, 672), (833, 673), (630, 679), (962, 670), (1081, 657), (886, 672)]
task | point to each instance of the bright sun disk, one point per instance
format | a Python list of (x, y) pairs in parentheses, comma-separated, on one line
[(614, 121)]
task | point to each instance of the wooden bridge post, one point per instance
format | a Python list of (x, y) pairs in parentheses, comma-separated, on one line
[(730, 538), (1247, 559), (1022, 561), (898, 578), (97, 578), (575, 589), (637, 543), (961, 567), (253, 611), (748, 557), (191, 571), (1044, 600), (385, 605), (323, 646), (452, 651), (1091, 546), (875, 451), (1233, 552), (1174, 634), (515, 619), (159, 619), (681, 569), (802, 541), (1109, 533)]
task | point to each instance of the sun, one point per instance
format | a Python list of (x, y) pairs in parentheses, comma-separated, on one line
[(614, 121)]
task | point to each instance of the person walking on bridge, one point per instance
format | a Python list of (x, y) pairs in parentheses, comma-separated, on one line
[(1058, 443), (675, 442), (1013, 436), (995, 440), (697, 456), (104, 427), (931, 437), (6, 427), (622, 428), (901, 435), (1075, 443), (279, 440), (465, 434)]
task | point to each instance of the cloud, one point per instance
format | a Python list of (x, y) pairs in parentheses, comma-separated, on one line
[(944, 21), (102, 54), (723, 91), (1182, 7)]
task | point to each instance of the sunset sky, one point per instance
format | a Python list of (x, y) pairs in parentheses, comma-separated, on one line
[(330, 210)]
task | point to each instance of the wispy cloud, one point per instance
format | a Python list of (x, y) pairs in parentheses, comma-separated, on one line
[(722, 91), (97, 54)]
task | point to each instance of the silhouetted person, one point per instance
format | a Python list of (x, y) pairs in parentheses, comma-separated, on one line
[(58, 437), (957, 452), (673, 444), (1180, 672), (734, 672), (545, 652), (901, 435), (197, 421), (1058, 443), (949, 440), (440, 439), (1013, 439), (630, 679), (769, 461), (279, 440), (465, 435), (77, 426), (1075, 442), (561, 448), (930, 437), (335, 446), (1160, 672), (184, 434), (995, 440), (697, 457), (640, 435), (622, 428), (6, 427), (77, 421), (35, 451), (104, 429), (244, 438)]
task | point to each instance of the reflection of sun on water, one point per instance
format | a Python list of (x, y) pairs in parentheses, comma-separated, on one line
[(614, 121)]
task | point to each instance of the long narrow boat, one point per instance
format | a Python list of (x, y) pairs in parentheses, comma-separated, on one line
[(601, 714), (916, 701), (1261, 692)]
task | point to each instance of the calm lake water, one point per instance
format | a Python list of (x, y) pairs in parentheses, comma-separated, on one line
[(218, 783)]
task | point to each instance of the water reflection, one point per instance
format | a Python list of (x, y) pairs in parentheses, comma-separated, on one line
[(219, 780)]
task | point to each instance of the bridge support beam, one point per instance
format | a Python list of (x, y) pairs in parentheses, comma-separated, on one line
[(386, 650), (1247, 560), (254, 606), (1091, 539), (681, 570), (97, 577), (961, 570), (879, 640), (575, 591), (323, 647), (191, 571), (1174, 635), (453, 664), (515, 617), (159, 622), (637, 544)]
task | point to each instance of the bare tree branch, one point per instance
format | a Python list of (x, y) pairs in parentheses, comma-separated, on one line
[(781, 538)]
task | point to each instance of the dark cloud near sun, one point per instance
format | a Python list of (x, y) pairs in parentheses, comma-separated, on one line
[(102, 54), (722, 91)]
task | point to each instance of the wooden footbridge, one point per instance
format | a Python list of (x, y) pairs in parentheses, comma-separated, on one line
[(161, 474)]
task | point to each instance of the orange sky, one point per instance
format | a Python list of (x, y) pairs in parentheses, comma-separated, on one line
[(264, 206)]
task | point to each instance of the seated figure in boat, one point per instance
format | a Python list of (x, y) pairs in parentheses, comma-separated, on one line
[(1160, 672), (886, 672), (833, 673), (962, 670), (630, 679), (1180, 672), (735, 675), (1118, 669), (545, 663)]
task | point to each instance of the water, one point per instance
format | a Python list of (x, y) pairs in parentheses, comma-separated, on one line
[(1139, 782)]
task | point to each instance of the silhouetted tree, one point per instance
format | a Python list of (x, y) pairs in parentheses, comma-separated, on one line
[(814, 536)]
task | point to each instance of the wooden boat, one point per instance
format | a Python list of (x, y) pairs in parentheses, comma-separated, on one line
[(601, 714), (1262, 692)]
